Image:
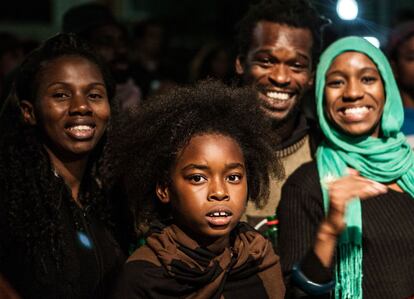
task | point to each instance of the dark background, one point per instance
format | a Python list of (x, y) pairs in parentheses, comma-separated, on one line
[(191, 24)]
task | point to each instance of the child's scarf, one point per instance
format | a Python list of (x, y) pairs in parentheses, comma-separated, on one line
[(385, 159), (205, 273)]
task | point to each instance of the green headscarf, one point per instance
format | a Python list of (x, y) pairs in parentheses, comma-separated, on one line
[(385, 159)]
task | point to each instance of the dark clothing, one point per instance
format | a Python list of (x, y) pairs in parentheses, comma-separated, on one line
[(298, 149), (172, 265), (304, 126), (388, 238), (91, 257)]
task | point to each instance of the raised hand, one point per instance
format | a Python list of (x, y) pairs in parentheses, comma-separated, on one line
[(343, 190)]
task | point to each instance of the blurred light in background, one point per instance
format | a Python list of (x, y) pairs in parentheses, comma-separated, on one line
[(347, 9), (373, 40)]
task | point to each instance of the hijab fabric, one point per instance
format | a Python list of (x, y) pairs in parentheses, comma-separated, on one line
[(385, 159)]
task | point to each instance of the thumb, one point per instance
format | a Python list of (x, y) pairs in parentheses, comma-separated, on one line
[(351, 171)]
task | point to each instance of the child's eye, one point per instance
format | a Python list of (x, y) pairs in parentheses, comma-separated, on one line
[(196, 179), (234, 178)]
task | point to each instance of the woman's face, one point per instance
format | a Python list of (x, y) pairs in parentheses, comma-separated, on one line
[(72, 107), (354, 94)]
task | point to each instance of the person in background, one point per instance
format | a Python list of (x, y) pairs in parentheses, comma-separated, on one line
[(151, 67), (400, 51), (213, 60), (209, 154), (279, 43), (95, 23), (11, 55), (346, 220), (57, 224)]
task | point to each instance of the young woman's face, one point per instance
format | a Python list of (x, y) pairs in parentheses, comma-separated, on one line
[(72, 105), (354, 94), (208, 192)]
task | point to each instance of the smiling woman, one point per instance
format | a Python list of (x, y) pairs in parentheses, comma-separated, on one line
[(74, 107), (346, 219), (354, 94), (54, 221)]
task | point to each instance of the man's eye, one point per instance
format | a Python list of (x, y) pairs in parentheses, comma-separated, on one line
[(299, 66), (264, 61)]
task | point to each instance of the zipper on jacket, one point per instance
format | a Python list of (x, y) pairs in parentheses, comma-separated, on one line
[(96, 251)]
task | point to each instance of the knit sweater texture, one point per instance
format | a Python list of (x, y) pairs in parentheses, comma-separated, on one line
[(292, 153), (388, 239)]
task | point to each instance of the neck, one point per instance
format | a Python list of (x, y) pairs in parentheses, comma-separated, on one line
[(214, 245), (407, 98), (285, 128), (218, 245), (71, 170)]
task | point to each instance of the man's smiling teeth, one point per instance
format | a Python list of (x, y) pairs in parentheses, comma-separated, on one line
[(356, 110), (281, 96)]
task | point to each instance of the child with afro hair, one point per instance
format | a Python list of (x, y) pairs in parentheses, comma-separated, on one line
[(192, 160)]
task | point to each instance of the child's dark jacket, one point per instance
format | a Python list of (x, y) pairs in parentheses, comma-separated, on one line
[(171, 265)]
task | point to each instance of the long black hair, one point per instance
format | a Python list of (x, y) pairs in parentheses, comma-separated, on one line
[(32, 195)]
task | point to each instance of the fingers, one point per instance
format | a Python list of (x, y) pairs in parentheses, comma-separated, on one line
[(352, 171), (371, 189), (343, 190), (353, 185)]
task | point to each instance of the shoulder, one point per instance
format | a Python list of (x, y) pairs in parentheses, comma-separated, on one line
[(139, 276), (305, 176), (144, 253), (302, 189), (142, 272)]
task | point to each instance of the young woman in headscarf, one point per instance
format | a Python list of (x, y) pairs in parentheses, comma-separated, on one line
[(346, 220)]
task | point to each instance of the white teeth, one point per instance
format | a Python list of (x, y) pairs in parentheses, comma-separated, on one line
[(356, 110), (219, 214), (81, 128), (282, 96)]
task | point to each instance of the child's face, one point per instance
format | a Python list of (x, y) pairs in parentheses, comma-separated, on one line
[(208, 192)]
